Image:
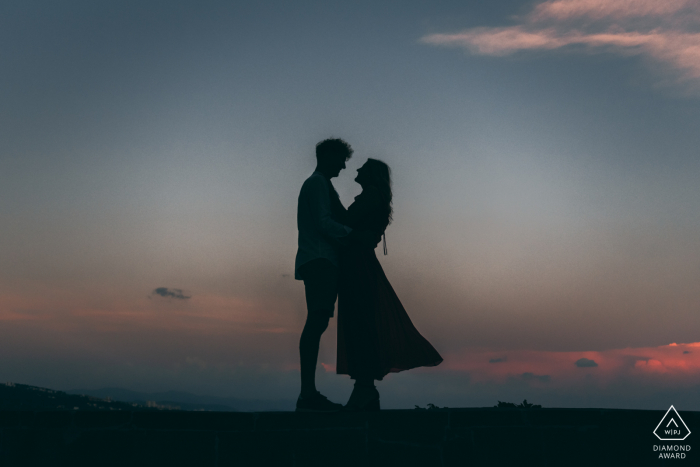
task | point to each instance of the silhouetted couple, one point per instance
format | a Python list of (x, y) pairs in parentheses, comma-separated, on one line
[(336, 259)]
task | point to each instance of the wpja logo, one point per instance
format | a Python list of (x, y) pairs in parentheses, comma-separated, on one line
[(671, 428)]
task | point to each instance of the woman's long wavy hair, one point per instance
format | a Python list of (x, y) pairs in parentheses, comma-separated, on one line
[(380, 177)]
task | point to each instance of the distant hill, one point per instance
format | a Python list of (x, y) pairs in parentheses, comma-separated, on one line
[(15, 396), (188, 401)]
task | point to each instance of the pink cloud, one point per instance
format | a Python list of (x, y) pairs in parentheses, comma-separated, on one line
[(597, 9), (650, 365), (679, 363), (499, 41), (668, 35)]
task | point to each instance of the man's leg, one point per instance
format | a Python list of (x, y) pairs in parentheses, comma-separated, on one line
[(321, 285), (314, 328)]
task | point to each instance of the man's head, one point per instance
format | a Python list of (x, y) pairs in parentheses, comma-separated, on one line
[(331, 155)]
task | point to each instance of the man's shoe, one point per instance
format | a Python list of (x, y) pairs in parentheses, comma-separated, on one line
[(317, 403)]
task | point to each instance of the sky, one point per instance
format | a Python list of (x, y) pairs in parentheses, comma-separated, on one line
[(546, 206)]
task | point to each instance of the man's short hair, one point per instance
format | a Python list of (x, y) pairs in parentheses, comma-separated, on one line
[(332, 148)]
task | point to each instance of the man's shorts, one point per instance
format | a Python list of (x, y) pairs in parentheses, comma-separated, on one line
[(321, 285)]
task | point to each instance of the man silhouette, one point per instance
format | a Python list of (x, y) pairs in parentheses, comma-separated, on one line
[(317, 261)]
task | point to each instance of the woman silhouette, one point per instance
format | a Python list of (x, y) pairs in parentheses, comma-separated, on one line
[(375, 334)]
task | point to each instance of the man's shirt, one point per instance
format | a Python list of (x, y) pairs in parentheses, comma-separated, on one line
[(319, 235)]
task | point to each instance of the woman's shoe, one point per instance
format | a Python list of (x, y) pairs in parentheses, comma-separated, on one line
[(372, 406), (364, 400)]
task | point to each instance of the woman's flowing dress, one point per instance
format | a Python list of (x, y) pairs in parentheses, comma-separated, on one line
[(375, 334)]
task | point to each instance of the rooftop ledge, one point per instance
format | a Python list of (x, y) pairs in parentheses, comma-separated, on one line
[(441, 437)]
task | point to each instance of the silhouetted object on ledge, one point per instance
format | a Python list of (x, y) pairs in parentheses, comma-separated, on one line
[(430, 407), (523, 405)]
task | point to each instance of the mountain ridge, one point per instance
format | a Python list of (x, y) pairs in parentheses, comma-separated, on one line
[(188, 401)]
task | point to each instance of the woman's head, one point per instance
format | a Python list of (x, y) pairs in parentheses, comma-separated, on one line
[(377, 174)]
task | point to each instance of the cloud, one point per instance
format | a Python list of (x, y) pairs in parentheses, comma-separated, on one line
[(686, 351), (497, 360), (663, 31), (651, 365), (669, 362), (531, 376), (585, 363), (599, 9), (174, 293)]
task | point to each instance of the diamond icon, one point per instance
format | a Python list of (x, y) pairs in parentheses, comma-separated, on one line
[(671, 427)]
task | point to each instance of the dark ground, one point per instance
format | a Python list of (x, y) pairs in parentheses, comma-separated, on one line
[(441, 437)]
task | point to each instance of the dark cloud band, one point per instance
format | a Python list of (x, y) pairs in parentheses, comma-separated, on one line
[(170, 293)]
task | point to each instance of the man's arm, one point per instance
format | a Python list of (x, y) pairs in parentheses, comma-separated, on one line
[(320, 204), (338, 211)]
